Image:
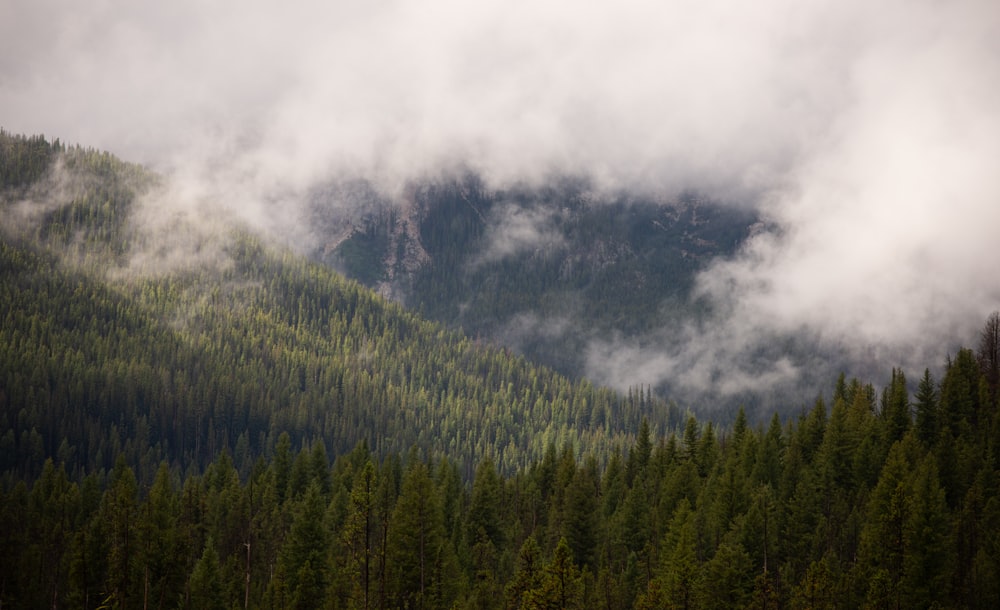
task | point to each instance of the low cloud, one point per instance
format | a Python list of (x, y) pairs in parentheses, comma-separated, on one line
[(867, 135), (512, 229)]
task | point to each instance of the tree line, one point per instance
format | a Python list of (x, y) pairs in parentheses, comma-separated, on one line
[(267, 434), (881, 499)]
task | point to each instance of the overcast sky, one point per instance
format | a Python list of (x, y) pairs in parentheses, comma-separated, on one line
[(868, 132)]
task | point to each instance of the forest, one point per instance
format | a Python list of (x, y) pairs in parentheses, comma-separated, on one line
[(497, 263), (265, 433), (177, 366)]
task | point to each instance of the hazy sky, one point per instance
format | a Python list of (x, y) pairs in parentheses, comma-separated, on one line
[(868, 132)]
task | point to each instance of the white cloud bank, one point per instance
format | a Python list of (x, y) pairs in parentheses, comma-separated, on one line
[(868, 133)]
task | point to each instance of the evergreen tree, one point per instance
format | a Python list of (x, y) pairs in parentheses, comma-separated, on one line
[(158, 542), (560, 586), (927, 563), (885, 542), (528, 575), (988, 356), (484, 507), (727, 580), (119, 511), (895, 408), (281, 465), (638, 458), (358, 534), (205, 587), (680, 576), (416, 541), (927, 410), (581, 514), (304, 556)]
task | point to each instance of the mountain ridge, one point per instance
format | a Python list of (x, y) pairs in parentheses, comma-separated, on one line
[(186, 362), (485, 260)]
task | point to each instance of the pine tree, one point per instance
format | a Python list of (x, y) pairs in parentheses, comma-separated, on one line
[(158, 543), (560, 586), (120, 512), (638, 458), (988, 356), (927, 410), (484, 507), (818, 589), (358, 532), (727, 581), (416, 540), (895, 408), (581, 514), (281, 465), (527, 576), (53, 504), (692, 434), (205, 589), (304, 556), (927, 564), (884, 541), (680, 568)]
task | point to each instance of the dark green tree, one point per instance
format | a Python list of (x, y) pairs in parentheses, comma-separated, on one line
[(358, 535), (581, 513), (305, 555), (119, 511), (680, 568), (205, 587), (895, 408), (484, 506), (560, 586), (416, 542), (727, 580), (988, 356), (157, 537), (927, 425)]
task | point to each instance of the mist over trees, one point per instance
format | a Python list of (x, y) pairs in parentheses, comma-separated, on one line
[(180, 365), (266, 434), (547, 271)]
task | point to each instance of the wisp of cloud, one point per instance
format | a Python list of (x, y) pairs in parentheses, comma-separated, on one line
[(867, 135)]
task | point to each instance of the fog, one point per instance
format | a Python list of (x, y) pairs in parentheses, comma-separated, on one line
[(867, 134)]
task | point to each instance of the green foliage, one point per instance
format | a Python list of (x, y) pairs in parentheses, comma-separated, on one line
[(293, 349), (205, 584), (304, 558), (560, 585), (271, 435), (385, 536), (418, 549)]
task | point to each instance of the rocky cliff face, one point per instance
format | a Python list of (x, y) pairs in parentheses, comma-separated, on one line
[(541, 270)]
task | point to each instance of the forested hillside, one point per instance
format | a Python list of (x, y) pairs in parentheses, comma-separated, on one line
[(877, 500), (259, 432), (543, 270), (179, 366)]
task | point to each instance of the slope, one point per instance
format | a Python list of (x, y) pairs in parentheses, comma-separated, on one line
[(177, 366), (544, 270)]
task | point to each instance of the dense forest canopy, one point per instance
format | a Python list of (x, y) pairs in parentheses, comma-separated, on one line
[(267, 434), (177, 366)]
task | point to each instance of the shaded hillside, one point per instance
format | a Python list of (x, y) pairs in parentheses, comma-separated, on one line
[(180, 365), (542, 270), (257, 431)]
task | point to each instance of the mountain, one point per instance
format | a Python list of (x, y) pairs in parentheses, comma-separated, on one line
[(102, 358), (244, 427), (542, 270)]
